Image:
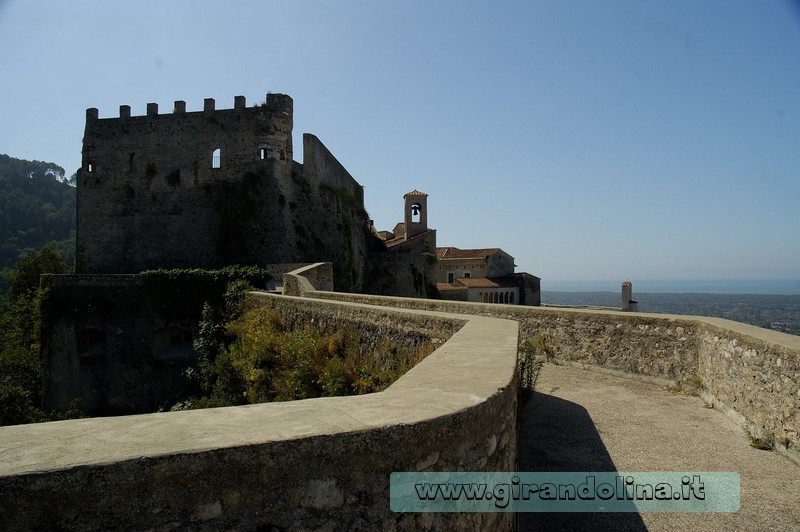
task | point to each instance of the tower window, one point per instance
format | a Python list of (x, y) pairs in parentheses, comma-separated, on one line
[(416, 212), (216, 158)]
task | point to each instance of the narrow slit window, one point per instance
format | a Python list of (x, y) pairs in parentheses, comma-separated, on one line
[(216, 158)]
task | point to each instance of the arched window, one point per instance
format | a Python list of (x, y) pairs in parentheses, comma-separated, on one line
[(416, 212), (216, 158)]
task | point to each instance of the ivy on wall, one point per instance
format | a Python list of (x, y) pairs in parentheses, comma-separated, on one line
[(185, 290)]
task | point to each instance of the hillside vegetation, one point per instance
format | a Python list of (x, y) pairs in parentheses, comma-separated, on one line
[(37, 208)]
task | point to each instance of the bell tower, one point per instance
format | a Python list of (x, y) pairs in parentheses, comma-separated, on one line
[(416, 218)]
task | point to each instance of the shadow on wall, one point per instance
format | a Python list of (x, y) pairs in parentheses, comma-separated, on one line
[(559, 436)]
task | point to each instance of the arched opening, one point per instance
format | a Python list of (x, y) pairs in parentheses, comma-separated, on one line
[(416, 213), (511, 298), (216, 158)]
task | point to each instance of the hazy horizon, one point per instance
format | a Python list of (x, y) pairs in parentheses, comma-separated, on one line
[(676, 286)]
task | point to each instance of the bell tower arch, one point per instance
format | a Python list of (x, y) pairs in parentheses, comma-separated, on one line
[(416, 213)]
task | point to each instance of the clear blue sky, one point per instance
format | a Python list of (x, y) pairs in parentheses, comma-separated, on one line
[(590, 140)]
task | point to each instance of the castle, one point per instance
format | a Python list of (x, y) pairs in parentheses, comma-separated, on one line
[(212, 188)]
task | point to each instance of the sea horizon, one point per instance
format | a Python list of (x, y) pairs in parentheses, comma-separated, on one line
[(678, 286)]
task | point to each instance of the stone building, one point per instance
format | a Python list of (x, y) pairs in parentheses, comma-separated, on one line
[(412, 234), (480, 275), (214, 187), (484, 276)]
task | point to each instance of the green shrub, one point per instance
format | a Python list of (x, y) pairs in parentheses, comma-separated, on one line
[(530, 359), (264, 361)]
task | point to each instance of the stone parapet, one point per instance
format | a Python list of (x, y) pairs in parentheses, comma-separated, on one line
[(316, 463), (751, 374)]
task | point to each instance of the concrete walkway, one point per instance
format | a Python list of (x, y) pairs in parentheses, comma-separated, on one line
[(596, 422)]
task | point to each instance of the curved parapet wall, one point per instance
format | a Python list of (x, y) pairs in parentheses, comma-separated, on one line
[(751, 374), (316, 463), (308, 278)]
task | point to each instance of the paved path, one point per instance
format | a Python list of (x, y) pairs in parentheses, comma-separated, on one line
[(596, 422)]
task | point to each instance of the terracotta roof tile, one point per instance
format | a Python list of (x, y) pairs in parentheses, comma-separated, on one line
[(450, 287), (484, 282), (455, 253), (395, 241), (402, 239), (415, 192)]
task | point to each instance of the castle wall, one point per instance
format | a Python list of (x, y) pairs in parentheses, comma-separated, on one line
[(400, 274), (310, 464), (320, 168), (105, 342), (154, 192)]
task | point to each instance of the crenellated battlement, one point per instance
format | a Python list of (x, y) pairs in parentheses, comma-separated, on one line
[(274, 102), (209, 188)]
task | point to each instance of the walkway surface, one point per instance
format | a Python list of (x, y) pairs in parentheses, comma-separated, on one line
[(587, 421)]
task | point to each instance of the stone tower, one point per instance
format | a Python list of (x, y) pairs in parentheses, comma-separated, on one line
[(416, 213), (628, 303)]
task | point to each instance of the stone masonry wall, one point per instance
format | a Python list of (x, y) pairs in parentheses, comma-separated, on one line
[(105, 342), (151, 190), (750, 373), (756, 378), (153, 193), (298, 281), (311, 464)]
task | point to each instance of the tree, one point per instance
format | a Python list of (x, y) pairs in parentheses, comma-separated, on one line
[(20, 365), (37, 206)]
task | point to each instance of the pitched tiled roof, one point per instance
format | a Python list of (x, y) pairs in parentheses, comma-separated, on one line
[(455, 253), (450, 287), (402, 239), (395, 241), (484, 282), (415, 192)]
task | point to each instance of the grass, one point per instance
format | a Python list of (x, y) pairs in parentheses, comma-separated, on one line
[(765, 443)]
